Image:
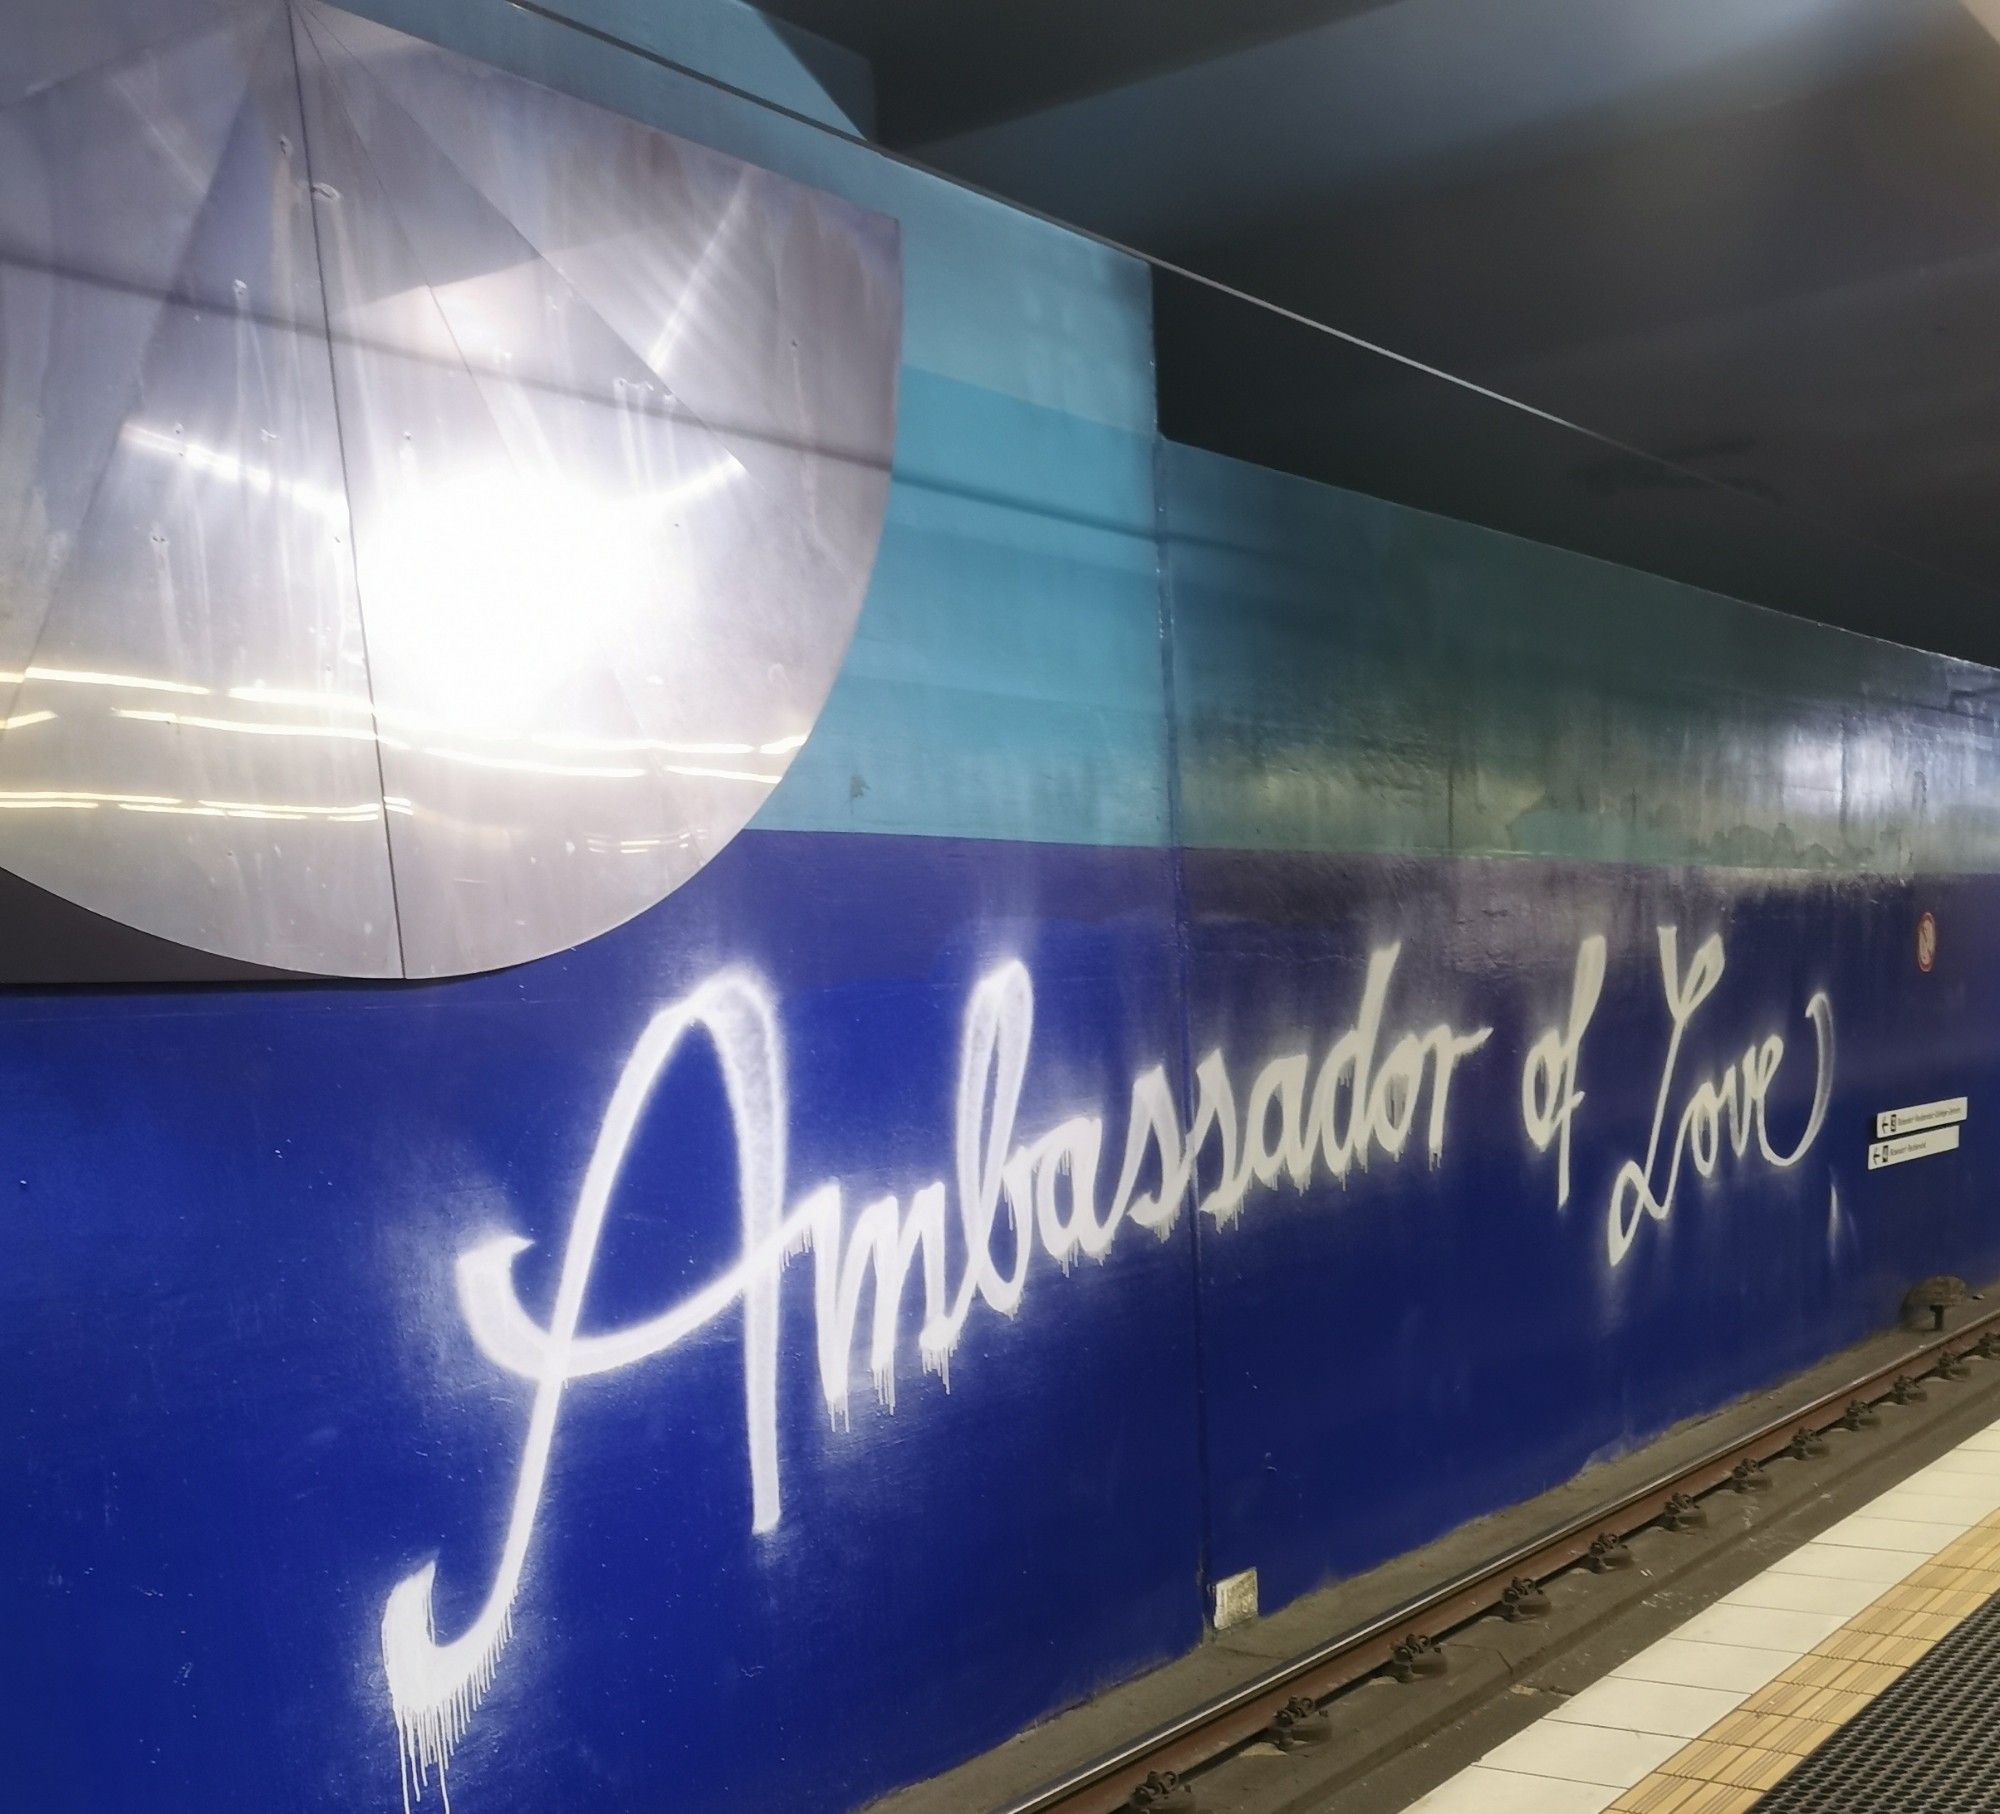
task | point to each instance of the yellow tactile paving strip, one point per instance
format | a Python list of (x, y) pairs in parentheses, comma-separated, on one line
[(1751, 1750)]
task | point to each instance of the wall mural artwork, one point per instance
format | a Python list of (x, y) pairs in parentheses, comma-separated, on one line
[(433, 509), (1047, 1185), (460, 1390), (1550, 1096), (1738, 1096), (1372, 1093), (783, 1308)]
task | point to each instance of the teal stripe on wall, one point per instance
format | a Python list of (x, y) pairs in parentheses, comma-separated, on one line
[(1351, 675), (1357, 676), (1005, 677)]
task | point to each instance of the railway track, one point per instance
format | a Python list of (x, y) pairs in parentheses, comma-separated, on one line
[(1161, 1769)]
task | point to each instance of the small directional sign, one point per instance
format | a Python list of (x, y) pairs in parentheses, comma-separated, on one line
[(1912, 1146), (1922, 1115)]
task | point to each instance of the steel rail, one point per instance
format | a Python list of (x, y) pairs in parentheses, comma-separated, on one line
[(1208, 1732)]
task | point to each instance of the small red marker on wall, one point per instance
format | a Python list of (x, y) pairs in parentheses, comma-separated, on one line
[(1926, 941)]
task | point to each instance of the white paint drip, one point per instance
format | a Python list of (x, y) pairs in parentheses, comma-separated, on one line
[(435, 1688), (1297, 1123), (1046, 1188)]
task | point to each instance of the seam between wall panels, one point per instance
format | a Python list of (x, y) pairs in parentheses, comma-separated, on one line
[(1182, 934), (293, 27)]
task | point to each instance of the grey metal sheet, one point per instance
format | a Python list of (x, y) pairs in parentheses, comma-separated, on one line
[(50, 44), (208, 556), (101, 178), (614, 420), (608, 621), (770, 311)]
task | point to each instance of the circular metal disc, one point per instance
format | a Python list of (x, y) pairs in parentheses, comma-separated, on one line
[(433, 510)]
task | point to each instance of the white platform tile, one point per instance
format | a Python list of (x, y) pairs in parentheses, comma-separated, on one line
[(1761, 1627), (1929, 1504), (1734, 1666), (1808, 1593), (1631, 1706), (1484, 1791), (1981, 1490), (1584, 1754), (1863, 1532), (1837, 1562), (1579, 1757)]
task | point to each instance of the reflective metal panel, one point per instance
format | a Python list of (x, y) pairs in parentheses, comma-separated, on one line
[(610, 415), (93, 227), (201, 551), (51, 44), (760, 307)]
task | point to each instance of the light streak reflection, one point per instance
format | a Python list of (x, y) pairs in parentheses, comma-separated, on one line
[(529, 765)]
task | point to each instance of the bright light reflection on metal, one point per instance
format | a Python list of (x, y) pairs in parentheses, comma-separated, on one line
[(410, 719), (527, 765), (366, 814), (264, 727), (227, 467), (424, 721), (556, 740), (414, 501), (255, 727), (464, 572), (84, 677), (721, 774), (219, 809), (332, 702), (84, 800), (687, 306), (44, 794)]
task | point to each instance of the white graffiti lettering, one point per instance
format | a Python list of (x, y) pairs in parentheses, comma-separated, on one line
[(1046, 1190), (1737, 1095), (1549, 1096)]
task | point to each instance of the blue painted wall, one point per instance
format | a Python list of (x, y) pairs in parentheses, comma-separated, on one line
[(243, 1402), (1148, 754), (1396, 729)]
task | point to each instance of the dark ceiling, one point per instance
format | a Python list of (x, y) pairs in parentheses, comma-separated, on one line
[(948, 66), (1759, 239)]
